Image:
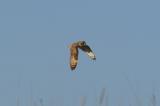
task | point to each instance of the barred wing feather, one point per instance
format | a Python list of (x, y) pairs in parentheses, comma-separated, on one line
[(88, 51)]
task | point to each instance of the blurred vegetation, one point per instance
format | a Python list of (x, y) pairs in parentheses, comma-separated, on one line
[(101, 100)]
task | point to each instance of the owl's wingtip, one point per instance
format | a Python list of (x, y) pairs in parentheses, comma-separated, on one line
[(94, 58), (73, 67)]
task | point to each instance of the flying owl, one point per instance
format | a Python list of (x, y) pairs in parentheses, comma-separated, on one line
[(74, 50)]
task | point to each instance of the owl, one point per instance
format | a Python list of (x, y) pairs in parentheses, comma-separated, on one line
[(74, 51)]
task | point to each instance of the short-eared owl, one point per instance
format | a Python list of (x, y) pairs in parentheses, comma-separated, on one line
[(74, 52)]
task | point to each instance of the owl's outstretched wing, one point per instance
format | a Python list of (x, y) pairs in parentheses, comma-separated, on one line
[(88, 51), (73, 57)]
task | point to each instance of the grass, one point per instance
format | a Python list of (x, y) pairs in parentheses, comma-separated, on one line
[(102, 100)]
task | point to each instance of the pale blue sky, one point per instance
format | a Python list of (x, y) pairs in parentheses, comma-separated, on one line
[(34, 54)]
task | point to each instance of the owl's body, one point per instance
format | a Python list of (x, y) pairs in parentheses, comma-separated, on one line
[(74, 56), (74, 52)]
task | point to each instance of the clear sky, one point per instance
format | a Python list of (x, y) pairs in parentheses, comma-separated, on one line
[(34, 54)]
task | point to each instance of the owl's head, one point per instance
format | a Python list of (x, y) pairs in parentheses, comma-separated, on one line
[(81, 43)]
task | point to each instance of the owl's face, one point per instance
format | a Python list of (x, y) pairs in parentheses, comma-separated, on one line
[(81, 43)]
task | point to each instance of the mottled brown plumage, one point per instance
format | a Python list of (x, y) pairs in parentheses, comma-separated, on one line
[(74, 52), (73, 56)]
